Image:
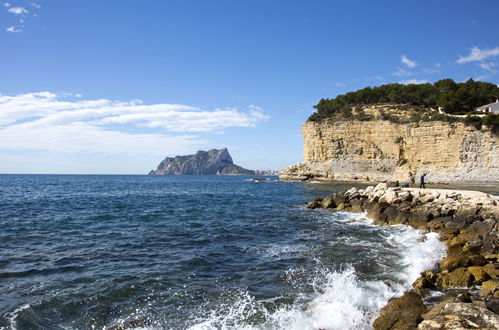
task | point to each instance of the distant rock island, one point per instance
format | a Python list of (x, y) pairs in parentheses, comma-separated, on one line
[(202, 163)]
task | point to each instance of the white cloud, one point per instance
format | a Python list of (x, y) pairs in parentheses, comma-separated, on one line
[(476, 54), (413, 81), (36, 5), (408, 62), (402, 72), (6, 4), (44, 121), (488, 66), (13, 29), (18, 10)]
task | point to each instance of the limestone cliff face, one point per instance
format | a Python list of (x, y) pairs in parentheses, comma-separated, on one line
[(202, 163), (381, 150)]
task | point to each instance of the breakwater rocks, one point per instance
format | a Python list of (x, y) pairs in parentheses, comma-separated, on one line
[(462, 292)]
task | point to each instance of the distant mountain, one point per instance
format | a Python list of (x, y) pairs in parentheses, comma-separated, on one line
[(202, 163)]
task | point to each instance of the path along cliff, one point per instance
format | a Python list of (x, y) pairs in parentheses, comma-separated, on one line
[(462, 291)]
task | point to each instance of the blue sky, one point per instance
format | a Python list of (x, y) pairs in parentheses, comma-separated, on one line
[(115, 86)]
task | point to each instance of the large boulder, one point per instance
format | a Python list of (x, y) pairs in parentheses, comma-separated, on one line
[(451, 263), (477, 230), (462, 316), (459, 277), (401, 313)]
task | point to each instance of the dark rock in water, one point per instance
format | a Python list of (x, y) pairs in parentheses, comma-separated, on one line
[(401, 313), (202, 163)]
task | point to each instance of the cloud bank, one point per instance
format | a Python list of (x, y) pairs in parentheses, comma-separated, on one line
[(50, 122)]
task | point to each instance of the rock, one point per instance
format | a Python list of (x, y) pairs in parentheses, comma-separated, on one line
[(492, 304), (448, 233), (389, 197), (477, 230), (462, 316), (490, 244), (490, 269), (405, 196), (489, 287), (460, 277), (438, 223), (472, 247), (356, 205), (419, 221), (479, 274), (315, 204), (375, 211), (328, 203), (427, 280), (459, 222), (202, 163), (451, 263), (401, 313)]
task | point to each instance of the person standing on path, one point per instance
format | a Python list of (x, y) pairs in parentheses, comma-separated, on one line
[(421, 185)]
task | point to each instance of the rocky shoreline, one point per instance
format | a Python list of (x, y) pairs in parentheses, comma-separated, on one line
[(466, 280)]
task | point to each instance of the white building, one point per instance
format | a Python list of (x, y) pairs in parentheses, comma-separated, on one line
[(492, 107)]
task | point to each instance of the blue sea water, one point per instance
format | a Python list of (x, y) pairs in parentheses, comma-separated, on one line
[(194, 252)]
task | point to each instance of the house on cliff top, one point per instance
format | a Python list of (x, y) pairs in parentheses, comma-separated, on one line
[(489, 108)]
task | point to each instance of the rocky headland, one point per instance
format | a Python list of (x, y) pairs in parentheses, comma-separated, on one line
[(202, 163), (384, 142), (467, 279)]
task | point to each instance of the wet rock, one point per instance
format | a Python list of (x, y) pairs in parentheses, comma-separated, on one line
[(328, 203), (315, 204), (401, 313), (427, 280), (419, 221), (356, 205)]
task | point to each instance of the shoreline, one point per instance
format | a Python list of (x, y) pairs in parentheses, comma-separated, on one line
[(466, 280)]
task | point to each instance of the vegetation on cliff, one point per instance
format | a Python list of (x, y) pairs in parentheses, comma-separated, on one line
[(422, 100)]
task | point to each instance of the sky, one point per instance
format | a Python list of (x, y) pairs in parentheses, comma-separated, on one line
[(115, 86)]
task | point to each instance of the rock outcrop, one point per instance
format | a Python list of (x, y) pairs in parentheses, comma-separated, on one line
[(202, 163), (379, 150), (468, 223)]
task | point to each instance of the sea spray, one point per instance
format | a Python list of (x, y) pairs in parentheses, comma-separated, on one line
[(340, 300)]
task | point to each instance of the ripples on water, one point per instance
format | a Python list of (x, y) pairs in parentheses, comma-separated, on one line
[(199, 252)]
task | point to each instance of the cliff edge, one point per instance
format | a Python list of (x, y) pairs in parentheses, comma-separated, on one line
[(379, 150), (202, 163)]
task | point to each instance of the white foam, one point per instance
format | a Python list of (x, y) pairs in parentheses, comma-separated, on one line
[(12, 316), (340, 300)]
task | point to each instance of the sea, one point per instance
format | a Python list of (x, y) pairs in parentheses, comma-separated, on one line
[(195, 252)]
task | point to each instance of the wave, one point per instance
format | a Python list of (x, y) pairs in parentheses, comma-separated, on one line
[(338, 299)]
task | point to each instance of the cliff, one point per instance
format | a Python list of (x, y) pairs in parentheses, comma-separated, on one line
[(379, 150), (202, 163)]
